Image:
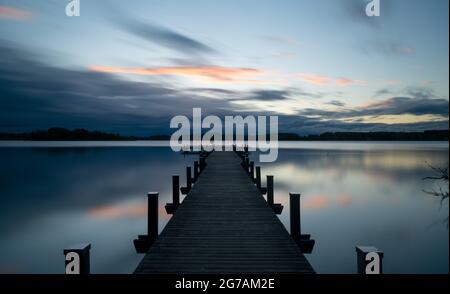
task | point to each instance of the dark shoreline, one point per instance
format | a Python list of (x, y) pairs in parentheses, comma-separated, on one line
[(61, 134)]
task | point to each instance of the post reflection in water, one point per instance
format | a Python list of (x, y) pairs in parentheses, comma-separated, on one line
[(52, 197)]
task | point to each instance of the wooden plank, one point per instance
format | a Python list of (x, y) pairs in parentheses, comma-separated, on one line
[(224, 225)]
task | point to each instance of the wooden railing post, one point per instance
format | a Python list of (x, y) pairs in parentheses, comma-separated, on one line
[(202, 163), (172, 207), (176, 189), (195, 171), (185, 190), (152, 215), (294, 205), (277, 208), (252, 171), (304, 241), (77, 259), (270, 190), (258, 177), (144, 242)]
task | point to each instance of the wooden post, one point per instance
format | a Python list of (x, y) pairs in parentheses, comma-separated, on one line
[(294, 203), (195, 171), (152, 215), (258, 177), (77, 259), (202, 163), (172, 207), (252, 171), (188, 187), (143, 243), (369, 260), (270, 190), (304, 241), (176, 190)]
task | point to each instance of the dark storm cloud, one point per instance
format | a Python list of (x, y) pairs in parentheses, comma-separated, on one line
[(165, 37), (36, 95)]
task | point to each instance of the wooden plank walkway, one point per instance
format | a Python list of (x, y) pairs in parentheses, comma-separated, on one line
[(224, 225)]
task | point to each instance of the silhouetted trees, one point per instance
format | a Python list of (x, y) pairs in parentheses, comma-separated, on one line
[(432, 135), (62, 134)]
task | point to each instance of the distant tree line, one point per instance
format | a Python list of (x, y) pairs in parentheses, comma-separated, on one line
[(432, 135), (62, 134)]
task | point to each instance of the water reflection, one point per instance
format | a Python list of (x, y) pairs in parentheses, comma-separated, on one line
[(366, 197), (52, 197)]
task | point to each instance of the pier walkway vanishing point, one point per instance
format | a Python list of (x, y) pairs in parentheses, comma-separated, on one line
[(224, 225)]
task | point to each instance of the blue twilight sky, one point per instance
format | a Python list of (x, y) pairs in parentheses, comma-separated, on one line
[(129, 66)]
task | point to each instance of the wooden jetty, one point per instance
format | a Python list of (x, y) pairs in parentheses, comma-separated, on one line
[(224, 225)]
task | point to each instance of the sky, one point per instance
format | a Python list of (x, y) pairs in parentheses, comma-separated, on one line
[(130, 66)]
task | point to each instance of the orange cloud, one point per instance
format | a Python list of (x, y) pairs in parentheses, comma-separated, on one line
[(215, 73), (323, 80), (393, 82), (316, 202), (7, 12), (427, 82), (315, 79), (345, 82)]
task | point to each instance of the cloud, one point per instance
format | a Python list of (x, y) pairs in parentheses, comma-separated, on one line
[(392, 82), (392, 106), (314, 79), (213, 73), (382, 92), (419, 92), (312, 125), (387, 48), (282, 40), (17, 14), (37, 95), (336, 103), (347, 81), (324, 80), (269, 95), (165, 37)]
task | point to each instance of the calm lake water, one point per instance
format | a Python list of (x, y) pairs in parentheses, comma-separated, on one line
[(56, 194)]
